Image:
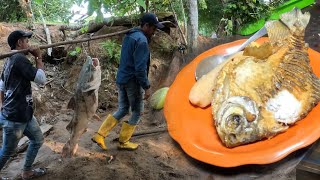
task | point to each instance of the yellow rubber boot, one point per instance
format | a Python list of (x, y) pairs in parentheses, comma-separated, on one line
[(125, 135), (104, 130)]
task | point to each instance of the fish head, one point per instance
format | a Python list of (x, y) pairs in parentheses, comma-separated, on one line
[(236, 120), (95, 63), (90, 75)]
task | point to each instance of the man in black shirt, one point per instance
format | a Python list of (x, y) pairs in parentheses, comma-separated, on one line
[(16, 117)]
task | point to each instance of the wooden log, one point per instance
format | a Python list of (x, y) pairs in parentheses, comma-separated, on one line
[(70, 27), (125, 21), (70, 42)]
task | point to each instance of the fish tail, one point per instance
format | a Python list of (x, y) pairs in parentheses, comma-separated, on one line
[(290, 27), (295, 20)]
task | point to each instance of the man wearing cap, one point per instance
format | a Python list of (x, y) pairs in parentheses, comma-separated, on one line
[(132, 81), (16, 117)]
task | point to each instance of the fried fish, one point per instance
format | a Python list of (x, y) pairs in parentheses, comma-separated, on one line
[(261, 93)]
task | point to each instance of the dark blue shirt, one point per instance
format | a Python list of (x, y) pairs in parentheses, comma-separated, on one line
[(17, 75), (135, 59)]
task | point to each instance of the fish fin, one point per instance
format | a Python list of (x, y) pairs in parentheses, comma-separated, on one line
[(295, 20), (277, 31), (71, 103), (96, 117)]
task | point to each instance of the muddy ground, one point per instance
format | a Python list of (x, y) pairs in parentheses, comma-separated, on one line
[(159, 156)]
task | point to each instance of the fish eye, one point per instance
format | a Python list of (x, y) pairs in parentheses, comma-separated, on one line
[(236, 118)]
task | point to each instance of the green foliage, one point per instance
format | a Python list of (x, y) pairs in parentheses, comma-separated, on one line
[(10, 11), (209, 16), (246, 11), (84, 29), (160, 5), (112, 50), (141, 3), (202, 4), (115, 7), (75, 52), (54, 11)]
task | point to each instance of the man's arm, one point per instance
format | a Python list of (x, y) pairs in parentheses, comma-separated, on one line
[(40, 77), (141, 58)]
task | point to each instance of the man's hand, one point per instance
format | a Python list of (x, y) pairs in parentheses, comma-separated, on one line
[(36, 52), (147, 93)]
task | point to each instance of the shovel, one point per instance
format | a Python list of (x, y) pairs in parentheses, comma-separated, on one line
[(209, 63)]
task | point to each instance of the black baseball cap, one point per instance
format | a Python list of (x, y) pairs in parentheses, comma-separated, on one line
[(15, 36), (151, 18)]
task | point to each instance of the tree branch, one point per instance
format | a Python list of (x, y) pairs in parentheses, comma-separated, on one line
[(72, 41)]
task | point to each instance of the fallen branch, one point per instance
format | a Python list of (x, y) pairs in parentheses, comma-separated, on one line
[(66, 90), (71, 42), (65, 42), (40, 37), (48, 82), (143, 133)]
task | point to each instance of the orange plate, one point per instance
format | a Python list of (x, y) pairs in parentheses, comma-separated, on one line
[(193, 128)]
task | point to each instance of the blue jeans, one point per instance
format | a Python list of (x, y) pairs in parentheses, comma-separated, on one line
[(130, 95), (12, 133)]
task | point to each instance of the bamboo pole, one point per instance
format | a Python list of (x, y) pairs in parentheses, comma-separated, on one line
[(47, 32), (72, 41)]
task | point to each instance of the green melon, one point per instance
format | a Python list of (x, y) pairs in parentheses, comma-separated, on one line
[(158, 98)]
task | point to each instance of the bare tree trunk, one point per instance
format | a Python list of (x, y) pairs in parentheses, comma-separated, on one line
[(26, 7), (184, 18), (176, 19), (147, 5), (192, 26)]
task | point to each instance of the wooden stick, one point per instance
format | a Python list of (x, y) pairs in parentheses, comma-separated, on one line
[(71, 42), (147, 132), (64, 43), (40, 37)]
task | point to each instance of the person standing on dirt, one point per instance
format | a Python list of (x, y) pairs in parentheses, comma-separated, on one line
[(132, 79), (16, 117)]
